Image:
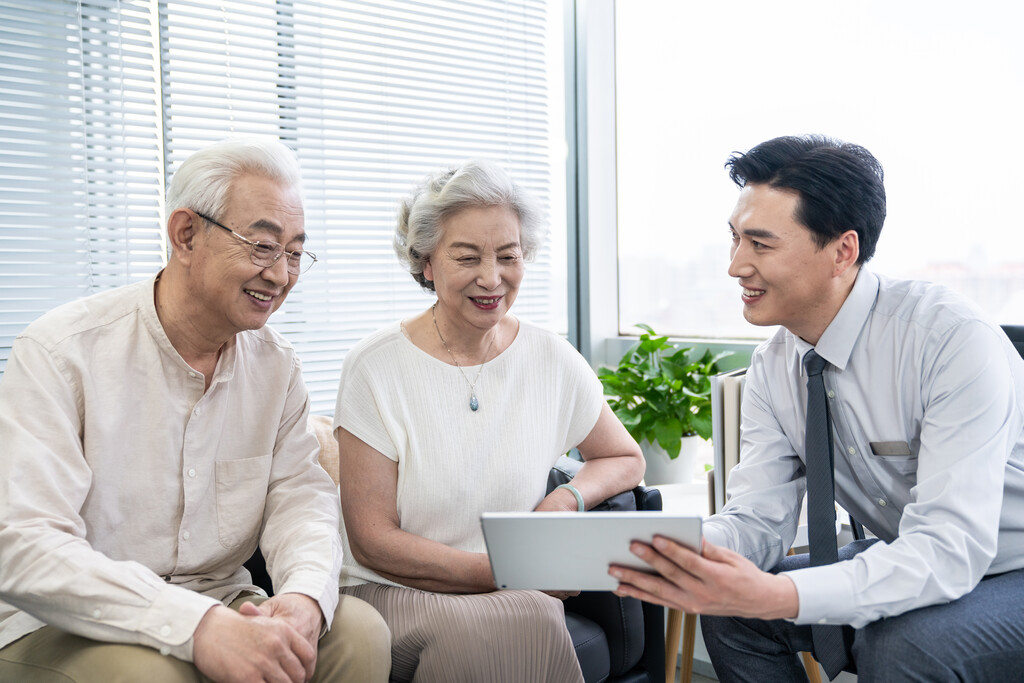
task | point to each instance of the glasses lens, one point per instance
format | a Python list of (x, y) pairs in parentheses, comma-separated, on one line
[(300, 262), (295, 262), (266, 254)]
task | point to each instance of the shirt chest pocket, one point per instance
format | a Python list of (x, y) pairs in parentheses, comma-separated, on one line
[(241, 497), (897, 456)]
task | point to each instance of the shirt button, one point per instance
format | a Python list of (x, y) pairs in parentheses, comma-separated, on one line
[(831, 394), (192, 472), (165, 650), (822, 621), (165, 630), (197, 411), (186, 534), (881, 501), (96, 614), (851, 450)]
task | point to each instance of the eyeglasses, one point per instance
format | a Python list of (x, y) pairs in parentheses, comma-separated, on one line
[(266, 254)]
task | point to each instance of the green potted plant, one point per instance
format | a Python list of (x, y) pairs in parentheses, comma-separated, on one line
[(662, 393)]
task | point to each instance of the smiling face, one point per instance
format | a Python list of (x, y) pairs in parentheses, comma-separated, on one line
[(786, 278), (476, 268), (229, 292)]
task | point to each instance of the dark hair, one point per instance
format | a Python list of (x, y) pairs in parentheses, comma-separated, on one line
[(839, 184)]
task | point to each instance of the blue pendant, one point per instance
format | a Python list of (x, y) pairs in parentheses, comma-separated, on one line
[(473, 403)]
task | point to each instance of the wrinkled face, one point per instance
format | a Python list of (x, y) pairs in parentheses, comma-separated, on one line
[(785, 277), (231, 293), (477, 267)]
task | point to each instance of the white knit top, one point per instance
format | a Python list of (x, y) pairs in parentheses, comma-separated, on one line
[(538, 399)]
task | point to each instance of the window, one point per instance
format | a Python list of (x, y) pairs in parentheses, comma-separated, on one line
[(931, 88), (371, 96), (80, 165)]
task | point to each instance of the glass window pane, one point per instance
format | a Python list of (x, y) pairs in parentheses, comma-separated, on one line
[(931, 88)]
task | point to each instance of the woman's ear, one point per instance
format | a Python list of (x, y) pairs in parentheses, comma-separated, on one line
[(428, 270)]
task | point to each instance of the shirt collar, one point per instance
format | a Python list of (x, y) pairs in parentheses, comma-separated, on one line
[(225, 369), (836, 343), (147, 306)]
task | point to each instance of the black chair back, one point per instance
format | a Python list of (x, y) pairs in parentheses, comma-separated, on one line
[(1016, 335)]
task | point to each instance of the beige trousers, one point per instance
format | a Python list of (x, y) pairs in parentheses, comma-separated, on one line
[(501, 637), (355, 650)]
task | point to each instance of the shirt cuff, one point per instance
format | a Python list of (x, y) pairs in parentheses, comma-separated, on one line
[(319, 587), (715, 535), (825, 593), (172, 619)]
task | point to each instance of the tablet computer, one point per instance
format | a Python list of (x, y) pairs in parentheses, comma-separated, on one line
[(569, 551)]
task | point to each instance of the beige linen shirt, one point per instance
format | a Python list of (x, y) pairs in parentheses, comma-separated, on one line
[(130, 496)]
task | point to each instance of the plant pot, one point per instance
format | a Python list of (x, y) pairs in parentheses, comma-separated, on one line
[(664, 470)]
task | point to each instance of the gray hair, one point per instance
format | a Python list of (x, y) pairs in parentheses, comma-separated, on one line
[(443, 194), (203, 181)]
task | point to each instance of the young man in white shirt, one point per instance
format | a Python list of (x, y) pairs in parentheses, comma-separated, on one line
[(926, 399), (151, 436)]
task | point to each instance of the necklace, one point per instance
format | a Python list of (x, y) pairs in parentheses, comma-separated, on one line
[(474, 404)]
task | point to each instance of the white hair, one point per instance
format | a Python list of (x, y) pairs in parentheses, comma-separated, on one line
[(203, 181), (445, 193)]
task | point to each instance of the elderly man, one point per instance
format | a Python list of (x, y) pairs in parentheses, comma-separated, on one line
[(897, 399), (152, 436)]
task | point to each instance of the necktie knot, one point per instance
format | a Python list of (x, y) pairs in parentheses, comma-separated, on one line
[(814, 363)]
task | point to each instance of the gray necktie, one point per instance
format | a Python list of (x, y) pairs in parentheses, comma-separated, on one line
[(821, 510)]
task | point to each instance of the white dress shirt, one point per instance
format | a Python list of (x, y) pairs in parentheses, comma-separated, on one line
[(926, 399), (130, 495)]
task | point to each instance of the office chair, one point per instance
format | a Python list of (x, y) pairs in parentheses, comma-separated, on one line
[(1016, 335)]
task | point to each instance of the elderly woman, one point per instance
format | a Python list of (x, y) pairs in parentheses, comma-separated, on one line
[(460, 410)]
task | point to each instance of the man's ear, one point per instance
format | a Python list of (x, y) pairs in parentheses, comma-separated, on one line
[(182, 226), (847, 251)]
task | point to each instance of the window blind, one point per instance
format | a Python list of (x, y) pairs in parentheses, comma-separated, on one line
[(371, 96), (80, 163)]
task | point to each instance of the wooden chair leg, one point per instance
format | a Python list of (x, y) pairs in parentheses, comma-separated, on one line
[(689, 635), (811, 664), (685, 626), (672, 632)]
